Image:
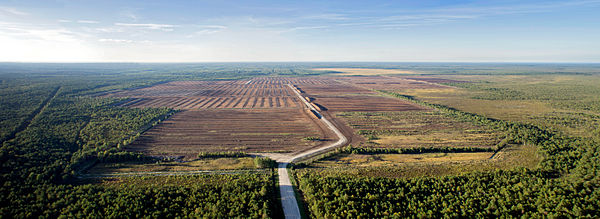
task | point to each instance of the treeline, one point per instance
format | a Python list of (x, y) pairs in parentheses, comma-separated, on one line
[(259, 162), (265, 162), (416, 150), (413, 150), (518, 193), (200, 196), (222, 154), (144, 72)]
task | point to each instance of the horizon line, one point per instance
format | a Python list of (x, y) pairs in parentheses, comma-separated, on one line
[(201, 62)]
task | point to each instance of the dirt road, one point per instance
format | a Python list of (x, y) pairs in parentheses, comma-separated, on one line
[(288, 199)]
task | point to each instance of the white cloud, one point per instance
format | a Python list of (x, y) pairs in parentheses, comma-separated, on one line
[(87, 22), (42, 43), (207, 29), (395, 19), (213, 26), (111, 29), (161, 27), (27, 31), (206, 32), (12, 11), (108, 40), (518, 8), (292, 29), (116, 40), (327, 16), (129, 14)]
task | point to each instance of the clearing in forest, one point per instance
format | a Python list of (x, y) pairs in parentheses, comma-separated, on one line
[(419, 129)]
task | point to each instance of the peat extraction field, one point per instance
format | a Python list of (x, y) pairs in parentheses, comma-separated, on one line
[(257, 115), (189, 132), (339, 96), (264, 92)]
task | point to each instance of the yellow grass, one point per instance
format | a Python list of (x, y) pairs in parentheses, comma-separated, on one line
[(203, 164), (365, 71), (519, 155), (436, 157), (431, 138), (515, 110), (372, 160), (429, 164), (522, 79)]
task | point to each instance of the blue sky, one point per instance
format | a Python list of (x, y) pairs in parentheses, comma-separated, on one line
[(209, 31)]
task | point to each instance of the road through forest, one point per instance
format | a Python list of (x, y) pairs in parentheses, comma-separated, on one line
[(288, 198)]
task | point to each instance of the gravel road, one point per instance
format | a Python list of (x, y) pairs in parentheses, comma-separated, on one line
[(288, 199)]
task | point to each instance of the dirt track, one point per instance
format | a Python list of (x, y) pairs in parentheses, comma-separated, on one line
[(288, 198)]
